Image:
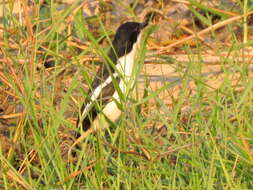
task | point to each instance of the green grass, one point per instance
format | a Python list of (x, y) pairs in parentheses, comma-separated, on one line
[(208, 146)]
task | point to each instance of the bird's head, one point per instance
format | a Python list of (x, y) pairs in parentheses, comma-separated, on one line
[(126, 37)]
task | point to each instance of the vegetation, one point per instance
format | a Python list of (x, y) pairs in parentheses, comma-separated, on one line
[(190, 130)]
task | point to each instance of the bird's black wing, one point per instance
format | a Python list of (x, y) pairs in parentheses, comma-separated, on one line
[(103, 98)]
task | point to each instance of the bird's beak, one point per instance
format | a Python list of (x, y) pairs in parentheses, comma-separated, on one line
[(143, 24)]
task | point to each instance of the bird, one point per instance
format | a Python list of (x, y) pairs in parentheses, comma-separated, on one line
[(103, 95)]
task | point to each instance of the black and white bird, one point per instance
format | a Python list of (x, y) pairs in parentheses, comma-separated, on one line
[(103, 96)]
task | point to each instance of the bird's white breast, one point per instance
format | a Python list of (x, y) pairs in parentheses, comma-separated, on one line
[(125, 66)]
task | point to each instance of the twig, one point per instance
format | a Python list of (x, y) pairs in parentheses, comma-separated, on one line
[(205, 31)]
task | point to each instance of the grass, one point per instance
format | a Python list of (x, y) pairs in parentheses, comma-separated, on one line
[(205, 139)]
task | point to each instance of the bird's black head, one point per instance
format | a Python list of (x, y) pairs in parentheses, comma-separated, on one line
[(125, 38)]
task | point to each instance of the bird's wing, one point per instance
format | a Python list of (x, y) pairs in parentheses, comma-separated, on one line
[(101, 92)]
